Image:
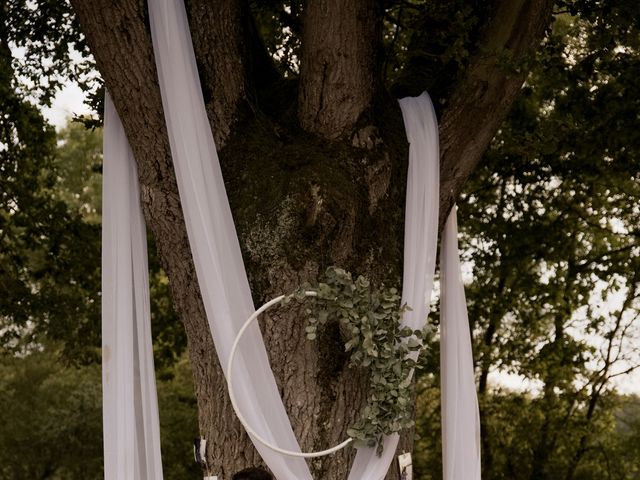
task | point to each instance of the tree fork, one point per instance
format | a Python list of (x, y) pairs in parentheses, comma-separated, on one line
[(482, 99)]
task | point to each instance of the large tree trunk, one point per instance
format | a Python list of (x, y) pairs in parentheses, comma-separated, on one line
[(300, 202)]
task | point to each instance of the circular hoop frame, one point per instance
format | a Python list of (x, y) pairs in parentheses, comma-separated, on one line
[(232, 396)]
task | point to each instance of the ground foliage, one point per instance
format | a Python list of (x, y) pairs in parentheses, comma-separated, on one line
[(51, 417)]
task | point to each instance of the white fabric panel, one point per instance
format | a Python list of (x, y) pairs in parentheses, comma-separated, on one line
[(212, 236), (420, 244), (130, 408), (460, 414)]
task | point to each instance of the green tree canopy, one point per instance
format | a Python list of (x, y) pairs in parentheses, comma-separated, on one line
[(549, 228)]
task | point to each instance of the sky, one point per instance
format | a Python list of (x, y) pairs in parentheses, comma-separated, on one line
[(67, 103)]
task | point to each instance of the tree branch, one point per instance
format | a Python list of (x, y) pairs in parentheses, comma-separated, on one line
[(232, 60), (217, 34), (486, 93)]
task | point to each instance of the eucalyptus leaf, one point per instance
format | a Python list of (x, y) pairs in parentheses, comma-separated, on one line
[(378, 342)]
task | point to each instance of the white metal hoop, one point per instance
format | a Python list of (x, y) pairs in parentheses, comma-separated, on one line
[(232, 396)]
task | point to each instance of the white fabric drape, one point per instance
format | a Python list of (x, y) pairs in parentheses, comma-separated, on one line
[(420, 245), (460, 414), (130, 408), (212, 236)]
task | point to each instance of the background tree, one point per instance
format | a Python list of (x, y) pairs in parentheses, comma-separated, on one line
[(48, 254), (550, 227)]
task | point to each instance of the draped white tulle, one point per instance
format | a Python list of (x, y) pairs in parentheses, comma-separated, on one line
[(129, 394), (420, 245), (130, 407), (212, 236), (460, 414)]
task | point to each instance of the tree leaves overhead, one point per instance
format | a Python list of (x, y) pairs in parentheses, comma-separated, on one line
[(49, 48), (426, 44), (429, 44)]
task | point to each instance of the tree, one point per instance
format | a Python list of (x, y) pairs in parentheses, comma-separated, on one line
[(312, 147), (48, 255), (314, 164)]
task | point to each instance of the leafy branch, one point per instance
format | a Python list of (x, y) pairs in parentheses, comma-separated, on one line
[(370, 321)]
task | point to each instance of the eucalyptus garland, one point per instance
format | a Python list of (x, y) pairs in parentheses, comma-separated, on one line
[(370, 322)]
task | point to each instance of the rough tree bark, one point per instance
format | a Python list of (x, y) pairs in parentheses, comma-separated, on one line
[(483, 98), (339, 65), (300, 202)]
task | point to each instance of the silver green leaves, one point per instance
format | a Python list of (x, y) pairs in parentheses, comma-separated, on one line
[(370, 321)]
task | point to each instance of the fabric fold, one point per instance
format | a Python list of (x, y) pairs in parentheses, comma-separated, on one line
[(212, 237), (131, 431), (460, 413)]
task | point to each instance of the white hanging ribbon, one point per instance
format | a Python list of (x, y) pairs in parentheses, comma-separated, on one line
[(130, 409), (460, 413), (212, 236), (420, 245)]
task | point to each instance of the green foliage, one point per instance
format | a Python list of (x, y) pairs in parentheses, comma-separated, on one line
[(49, 256), (625, 440), (50, 49), (51, 418), (514, 421), (429, 44), (425, 45), (79, 170), (280, 27), (50, 261), (370, 322), (549, 227)]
